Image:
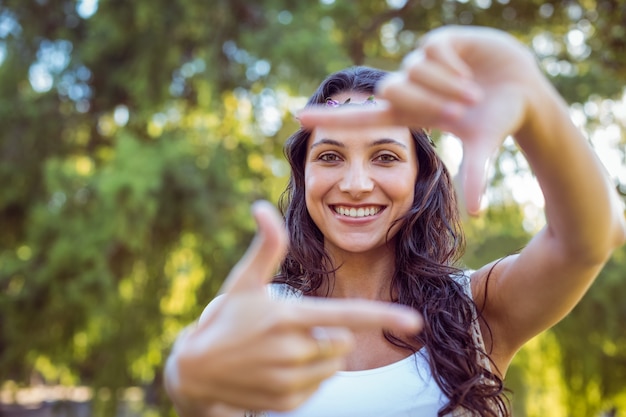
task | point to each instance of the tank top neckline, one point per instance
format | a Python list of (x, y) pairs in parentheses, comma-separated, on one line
[(381, 369)]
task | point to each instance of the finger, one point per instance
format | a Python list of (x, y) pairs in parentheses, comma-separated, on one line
[(299, 346), (265, 397), (267, 249), (403, 105), (355, 315), (283, 387), (291, 399), (443, 51), (473, 176), (327, 342), (347, 116), (316, 372), (301, 378), (440, 81), (416, 106)]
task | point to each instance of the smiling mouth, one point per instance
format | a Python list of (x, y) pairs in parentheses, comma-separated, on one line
[(357, 212)]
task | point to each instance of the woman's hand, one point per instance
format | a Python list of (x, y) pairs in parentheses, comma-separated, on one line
[(251, 352), (476, 83)]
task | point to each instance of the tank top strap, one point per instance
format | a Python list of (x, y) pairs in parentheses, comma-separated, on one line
[(465, 281)]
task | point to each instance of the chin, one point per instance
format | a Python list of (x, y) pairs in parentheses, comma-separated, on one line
[(361, 247)]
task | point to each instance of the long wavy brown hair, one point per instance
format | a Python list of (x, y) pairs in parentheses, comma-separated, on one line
[(426, 276)]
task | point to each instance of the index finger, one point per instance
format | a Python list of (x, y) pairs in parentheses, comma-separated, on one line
[(348, 116), (355, 314)]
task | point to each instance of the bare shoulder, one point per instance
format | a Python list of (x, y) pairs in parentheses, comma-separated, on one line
[(485, 278)]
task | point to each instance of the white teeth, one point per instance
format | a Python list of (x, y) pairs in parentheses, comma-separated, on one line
[(360, 212)]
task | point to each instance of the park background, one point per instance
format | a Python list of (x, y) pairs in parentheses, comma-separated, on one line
[(134, 135)]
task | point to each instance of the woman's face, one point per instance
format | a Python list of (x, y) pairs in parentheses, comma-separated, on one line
[(358, 182)]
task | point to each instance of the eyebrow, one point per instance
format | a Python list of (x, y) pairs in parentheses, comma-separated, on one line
[(327, 142), (383, 141)]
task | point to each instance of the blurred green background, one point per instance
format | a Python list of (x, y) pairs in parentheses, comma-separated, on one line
[(134, 135)]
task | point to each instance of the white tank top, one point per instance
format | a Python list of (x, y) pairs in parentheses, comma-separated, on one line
[(401, 389)]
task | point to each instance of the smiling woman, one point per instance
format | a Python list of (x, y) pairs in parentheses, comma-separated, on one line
[(410, 242), (371, 223)]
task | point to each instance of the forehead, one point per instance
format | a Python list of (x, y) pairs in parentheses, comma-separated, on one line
[(363, 135)]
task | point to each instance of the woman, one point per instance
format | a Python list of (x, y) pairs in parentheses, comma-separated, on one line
[(372, 225)]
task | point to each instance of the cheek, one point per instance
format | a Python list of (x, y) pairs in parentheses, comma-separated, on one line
[(401, 187), (317, 183), (314, 190), (405, 198)]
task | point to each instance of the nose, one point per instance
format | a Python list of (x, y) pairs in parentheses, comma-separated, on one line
[(356, 180)]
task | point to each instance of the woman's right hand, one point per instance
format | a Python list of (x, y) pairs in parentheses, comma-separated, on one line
[(478, 83), (250, 352)]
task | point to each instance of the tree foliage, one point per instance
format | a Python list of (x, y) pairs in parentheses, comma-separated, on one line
[(135, 135)]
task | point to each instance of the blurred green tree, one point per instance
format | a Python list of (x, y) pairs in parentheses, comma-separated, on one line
[(135, 135)]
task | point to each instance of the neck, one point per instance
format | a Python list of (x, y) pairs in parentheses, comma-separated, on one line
[(361, 275)]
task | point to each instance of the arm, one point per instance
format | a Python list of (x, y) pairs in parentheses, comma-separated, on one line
[(482, 85), (532, 291)]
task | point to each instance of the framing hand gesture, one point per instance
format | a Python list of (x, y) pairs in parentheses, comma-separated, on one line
[(476, 83), (252, 352)]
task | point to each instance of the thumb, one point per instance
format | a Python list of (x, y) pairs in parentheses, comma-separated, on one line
[(473, 176), (257, 266)]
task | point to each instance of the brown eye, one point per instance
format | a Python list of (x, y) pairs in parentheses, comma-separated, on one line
[(329, 157), (386, 158)]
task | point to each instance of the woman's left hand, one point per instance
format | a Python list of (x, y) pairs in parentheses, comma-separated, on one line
[(476, 83)]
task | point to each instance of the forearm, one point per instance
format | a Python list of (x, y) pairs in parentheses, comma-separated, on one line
[(582, 208)]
